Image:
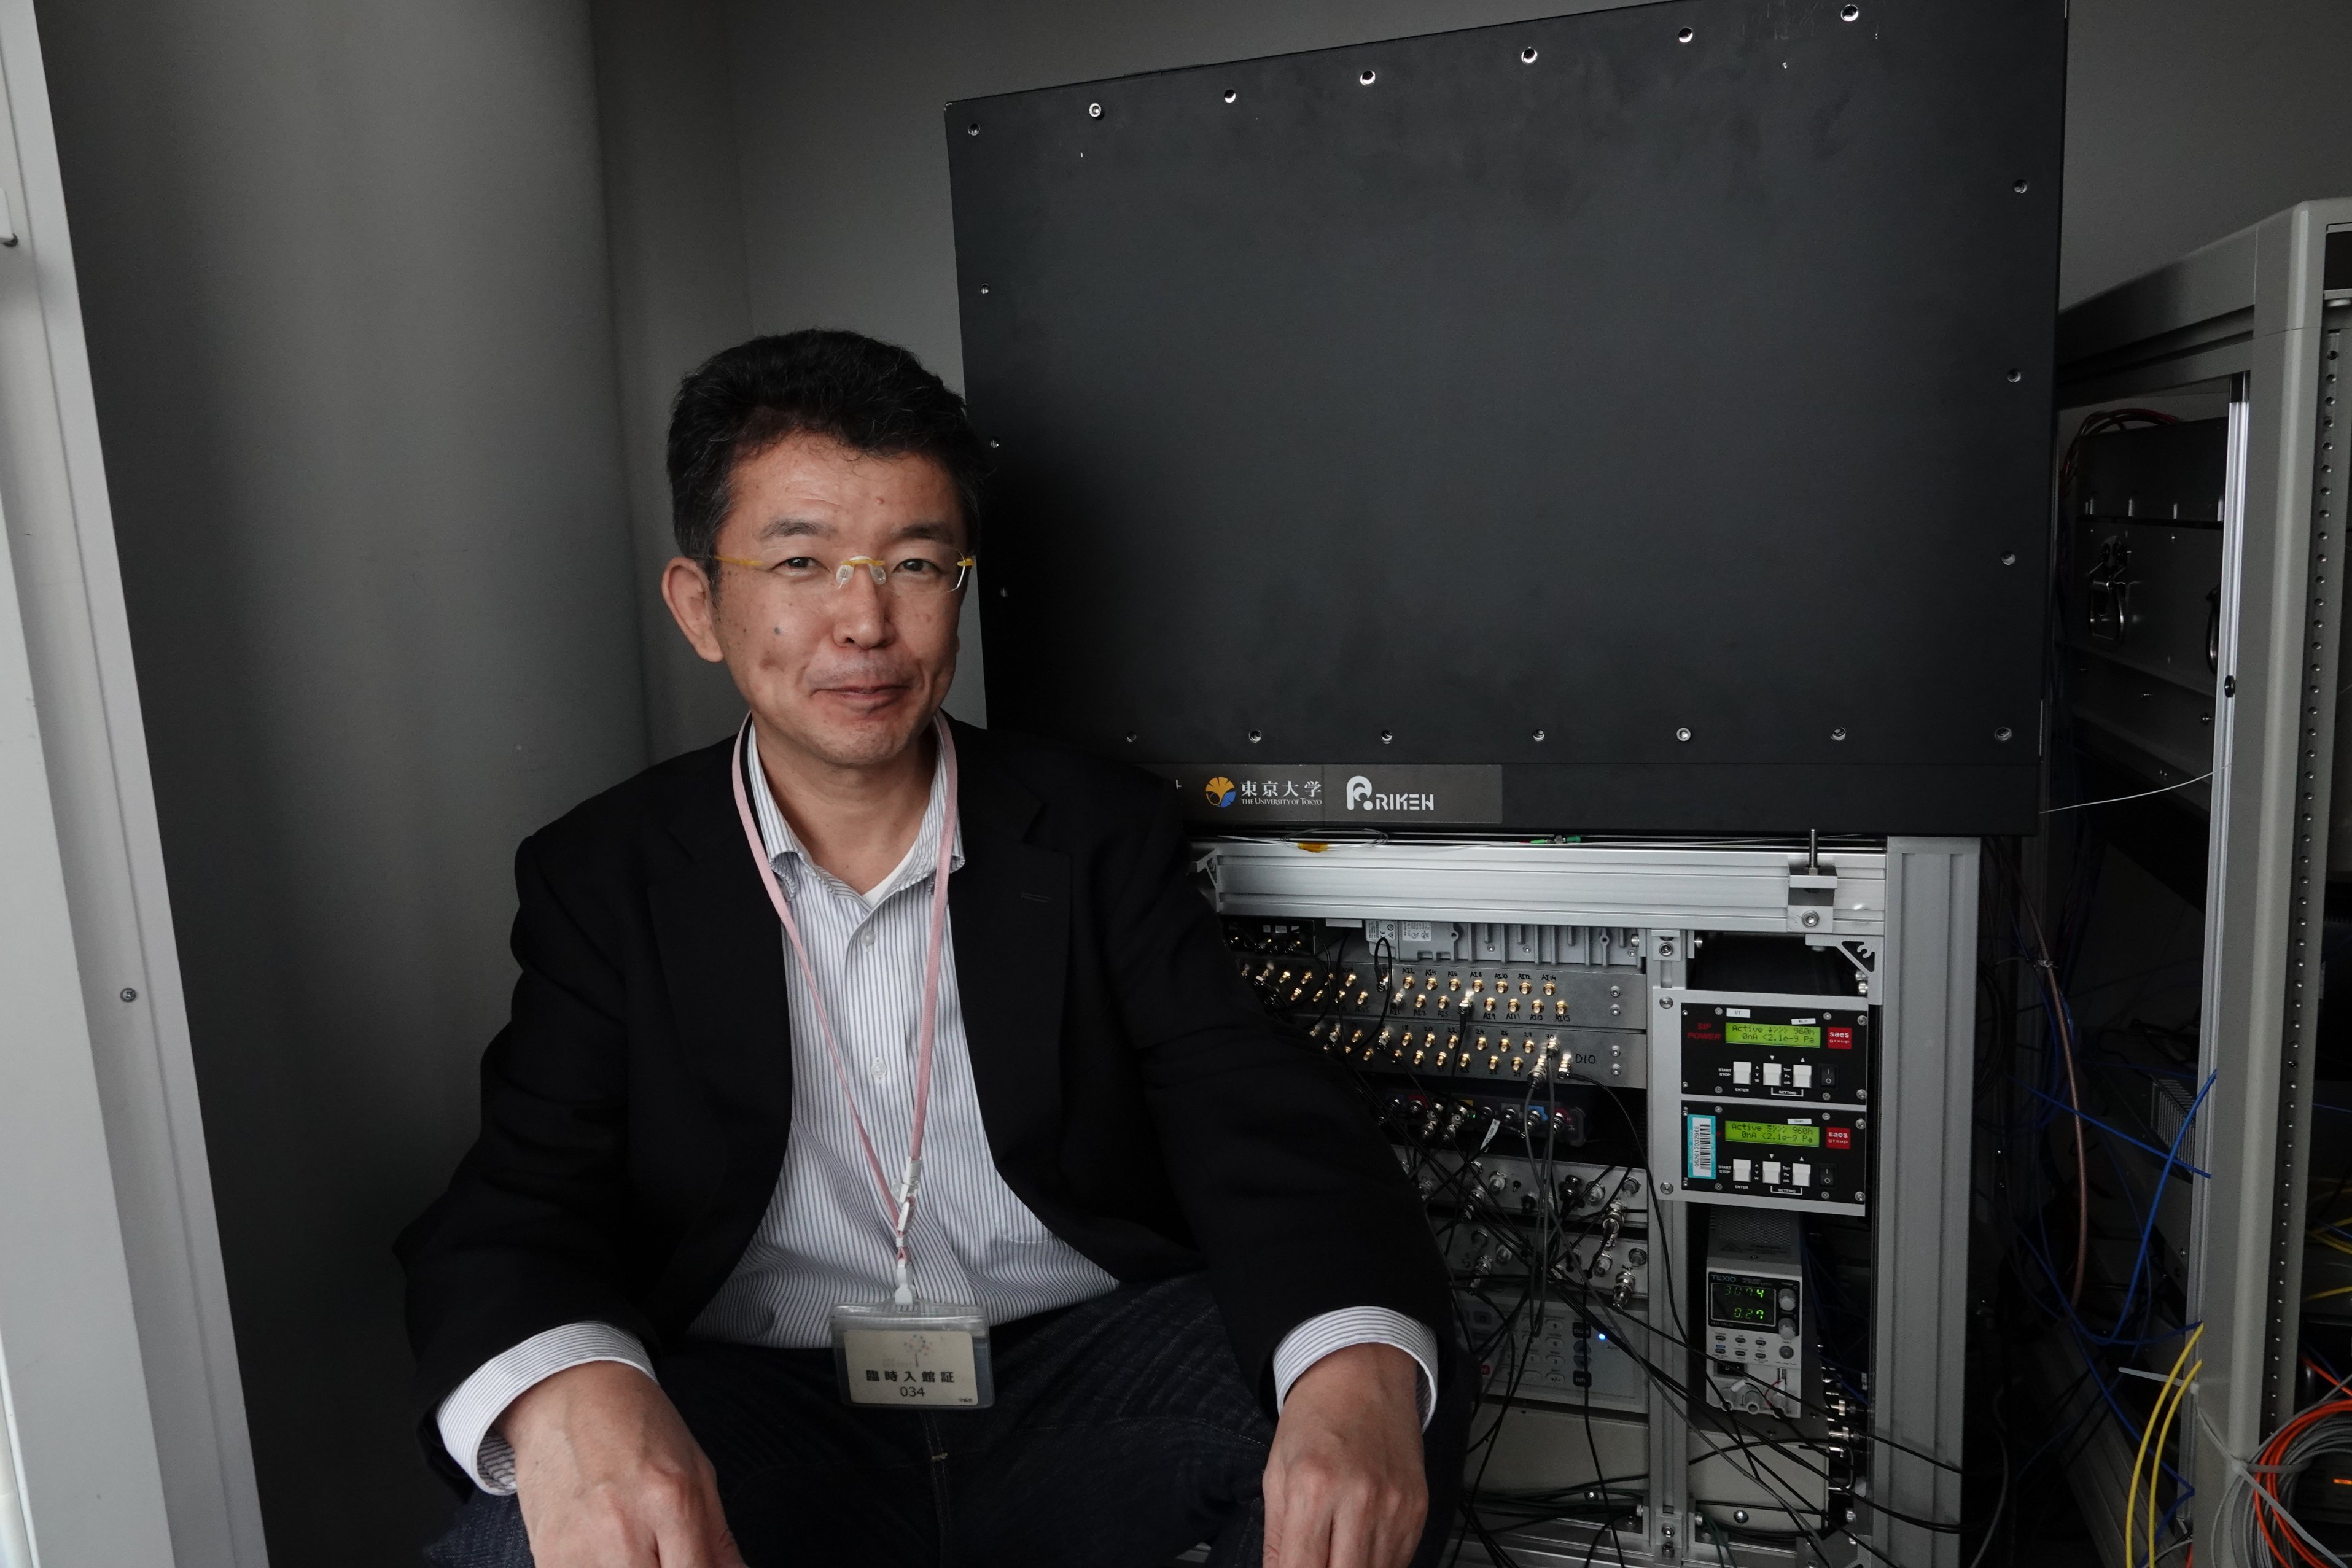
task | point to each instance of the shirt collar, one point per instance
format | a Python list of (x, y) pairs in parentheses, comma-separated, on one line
[(790, 861)]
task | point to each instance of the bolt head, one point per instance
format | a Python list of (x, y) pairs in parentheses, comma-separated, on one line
[(2009, 558), (1387, 737), (1537, 737), (1682, 734), (1685, 36), (1665, 1186), (1851, 14), (2004, 733), (1369, 78), (130, 993), (1527, 56), (1255, 736), (1231, 95), (1838, 734), (1094, 111)]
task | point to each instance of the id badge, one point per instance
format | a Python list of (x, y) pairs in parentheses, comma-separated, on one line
[(931, 1356)]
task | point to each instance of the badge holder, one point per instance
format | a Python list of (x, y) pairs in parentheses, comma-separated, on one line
[(927, 1356)]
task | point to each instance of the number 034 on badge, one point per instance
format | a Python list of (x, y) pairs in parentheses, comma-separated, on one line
[(930, 1356)]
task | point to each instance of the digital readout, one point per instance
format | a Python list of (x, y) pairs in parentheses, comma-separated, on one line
[(1772, 1133), (1806, 1037), (1734, 1300)]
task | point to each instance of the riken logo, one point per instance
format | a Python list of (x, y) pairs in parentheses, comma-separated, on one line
[(1361, 794)]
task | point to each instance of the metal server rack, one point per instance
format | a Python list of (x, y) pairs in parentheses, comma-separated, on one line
[(2253, 316), (1906, 915)]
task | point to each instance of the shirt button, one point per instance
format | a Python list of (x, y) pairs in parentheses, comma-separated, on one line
[(869, 939)]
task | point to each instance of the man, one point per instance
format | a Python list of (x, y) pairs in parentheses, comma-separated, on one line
[(1203, 1294)]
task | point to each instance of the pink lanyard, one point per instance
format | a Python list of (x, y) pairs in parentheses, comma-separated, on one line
[(897, 1204)]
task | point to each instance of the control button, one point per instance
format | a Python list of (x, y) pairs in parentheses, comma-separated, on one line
[(1772, 1173), (1801, 1075), (1801, 1174), (1743, 1170), (1741, 1071), (1739, 1339), (1788, 1353), (1787, 1329), (1771, 1075), (1787, 1301)]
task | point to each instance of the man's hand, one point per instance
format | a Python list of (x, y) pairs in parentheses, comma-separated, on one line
[(1344, 1482), (609, 1477)]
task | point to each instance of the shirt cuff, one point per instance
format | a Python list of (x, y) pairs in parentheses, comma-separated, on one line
[(1318, 1337), (468, 1418)]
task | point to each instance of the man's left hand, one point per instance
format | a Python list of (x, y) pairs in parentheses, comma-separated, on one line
[(1344, 1482)]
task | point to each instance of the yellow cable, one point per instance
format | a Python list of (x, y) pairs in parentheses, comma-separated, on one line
[(2131, 1496), (2323, 1295), (2156, 1458)]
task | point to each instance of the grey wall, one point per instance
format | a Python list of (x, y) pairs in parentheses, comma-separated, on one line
[(385, 300), (2189, 119), (345, 278)]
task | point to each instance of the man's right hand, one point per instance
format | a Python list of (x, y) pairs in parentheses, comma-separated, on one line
[(609, 1477)]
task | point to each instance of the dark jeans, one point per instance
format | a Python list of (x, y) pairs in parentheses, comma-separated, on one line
[(1123, 1434)]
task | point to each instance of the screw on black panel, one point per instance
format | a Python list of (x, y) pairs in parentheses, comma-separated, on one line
[(1851, 14), (1231, 95), (2019, 187), (2009, 558), (1682, 734), (2002, 734), (1003, 594), (1369, 78), (1538, 738), (973, 130), (1685, 36), (2016, 375), (984, 288), (1387, 737), (1838, 734), (1255, 736), (1130, 737), (1527, 56), (1094, 111), (993, 444)]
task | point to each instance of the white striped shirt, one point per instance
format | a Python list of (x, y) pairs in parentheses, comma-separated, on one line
[(825, 1238)]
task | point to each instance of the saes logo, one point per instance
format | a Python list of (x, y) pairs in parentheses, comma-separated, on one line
[(1220, 790), (1360, 789)]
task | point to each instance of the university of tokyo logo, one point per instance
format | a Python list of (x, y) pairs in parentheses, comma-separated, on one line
[(1220, 790)]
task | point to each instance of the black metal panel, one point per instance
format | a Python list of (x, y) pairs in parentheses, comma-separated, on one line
[(1416, 400)]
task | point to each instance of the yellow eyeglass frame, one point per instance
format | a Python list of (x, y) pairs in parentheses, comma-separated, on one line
[(877, 568)]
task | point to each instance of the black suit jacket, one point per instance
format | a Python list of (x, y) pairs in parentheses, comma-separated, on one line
[(635, 1107)]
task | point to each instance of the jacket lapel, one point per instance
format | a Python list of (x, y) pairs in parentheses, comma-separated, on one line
[(1011, 907), (722, 964)]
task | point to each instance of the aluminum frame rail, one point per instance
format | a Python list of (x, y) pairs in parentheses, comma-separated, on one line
[(2251, 313), (1910, 911)]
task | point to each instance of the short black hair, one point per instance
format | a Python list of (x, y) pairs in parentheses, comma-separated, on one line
[(870, 396)]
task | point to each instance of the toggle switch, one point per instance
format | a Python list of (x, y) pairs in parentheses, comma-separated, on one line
[(1742, 1072), (1802, 1074), (1743, 1170), (1771, 1075), (1772, 1173), (1801, 1174)]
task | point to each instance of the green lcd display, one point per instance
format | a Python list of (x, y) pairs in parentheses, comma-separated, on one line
[(1738, 1031), (1772, 1133)]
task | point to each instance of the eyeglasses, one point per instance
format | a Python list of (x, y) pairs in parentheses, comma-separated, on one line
[(917, 576)]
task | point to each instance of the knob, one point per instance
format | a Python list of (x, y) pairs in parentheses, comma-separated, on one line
[(1788, 1328), (1787, 1301)]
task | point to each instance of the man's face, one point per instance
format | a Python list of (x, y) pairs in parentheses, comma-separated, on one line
[(846, 675)]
